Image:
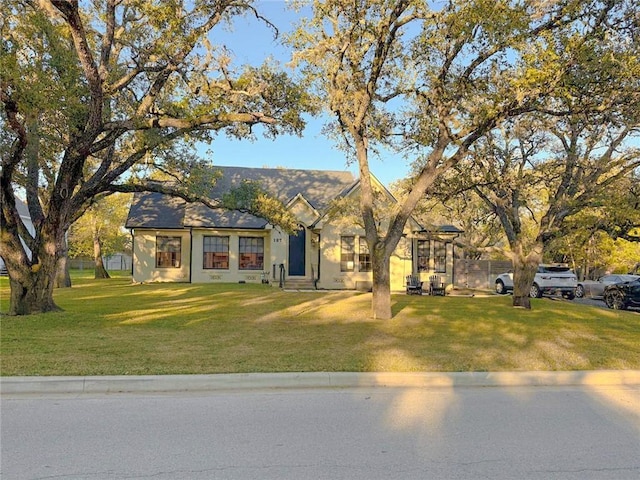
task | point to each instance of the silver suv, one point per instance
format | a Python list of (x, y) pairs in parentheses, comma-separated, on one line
[(550, 279)]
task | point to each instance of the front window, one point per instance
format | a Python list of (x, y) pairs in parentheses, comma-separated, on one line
[(423, 255), (440, 256), (216, 253), (251, 253), (364, 258), (347, 254), (168, 252)]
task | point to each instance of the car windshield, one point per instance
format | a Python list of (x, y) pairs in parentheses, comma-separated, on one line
[(628, 278)]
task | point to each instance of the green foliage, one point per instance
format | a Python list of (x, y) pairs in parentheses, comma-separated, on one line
[(40, 67), (428, 81), (604, 237), (104, 221), (346, 211), (482, 235), (597, 253), (104, 97), (136, 84), (251, 198)]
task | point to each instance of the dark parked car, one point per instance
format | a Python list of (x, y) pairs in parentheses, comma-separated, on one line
[(620, 296)]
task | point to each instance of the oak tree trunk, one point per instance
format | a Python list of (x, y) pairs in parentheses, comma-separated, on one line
[(523, 275), (32, 287), (62, 278), (100, 271), (524, 272), (381, 300)]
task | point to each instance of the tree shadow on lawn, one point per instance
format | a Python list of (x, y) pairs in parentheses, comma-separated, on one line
[(271, 330), (165, 328), (483, 334)]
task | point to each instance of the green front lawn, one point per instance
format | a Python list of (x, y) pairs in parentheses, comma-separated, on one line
[(112, 327)]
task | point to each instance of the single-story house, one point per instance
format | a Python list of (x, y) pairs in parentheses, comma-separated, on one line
[(177, 241)]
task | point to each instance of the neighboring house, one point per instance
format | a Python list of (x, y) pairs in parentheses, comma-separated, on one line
[(23, 211), (177, 241)]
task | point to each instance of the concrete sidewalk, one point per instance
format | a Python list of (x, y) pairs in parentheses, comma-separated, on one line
[(219, 382)]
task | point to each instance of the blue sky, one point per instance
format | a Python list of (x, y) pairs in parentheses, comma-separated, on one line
[(252, 42)]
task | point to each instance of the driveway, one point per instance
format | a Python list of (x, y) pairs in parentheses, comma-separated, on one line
[(598, 302), (594, 302)]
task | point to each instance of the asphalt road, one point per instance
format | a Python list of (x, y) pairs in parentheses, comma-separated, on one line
[(589, 432)]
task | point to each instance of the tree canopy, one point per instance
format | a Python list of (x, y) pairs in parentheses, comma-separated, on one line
[(100, 97), (427, 81), (100, 231)]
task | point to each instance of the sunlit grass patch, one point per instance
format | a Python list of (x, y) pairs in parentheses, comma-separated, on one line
[(115, 327)]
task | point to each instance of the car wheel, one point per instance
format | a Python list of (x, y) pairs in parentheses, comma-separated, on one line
[(569, 295), (580, 291), (615, 300), (500, 290), (535, 291)]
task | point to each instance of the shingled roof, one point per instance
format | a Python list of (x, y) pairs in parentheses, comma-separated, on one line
[(318, 187)]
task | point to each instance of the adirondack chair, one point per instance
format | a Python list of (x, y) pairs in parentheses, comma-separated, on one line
[(414, 285), (436, 285)]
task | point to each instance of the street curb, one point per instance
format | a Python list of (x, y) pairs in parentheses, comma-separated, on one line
[(245, 381)]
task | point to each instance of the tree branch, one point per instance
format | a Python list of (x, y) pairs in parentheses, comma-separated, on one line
[(212, 122)]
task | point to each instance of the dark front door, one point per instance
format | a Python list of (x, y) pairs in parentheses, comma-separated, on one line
[(296, 253)]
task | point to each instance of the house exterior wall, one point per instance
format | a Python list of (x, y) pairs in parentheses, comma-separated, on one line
[(401, 264), (233, 274), (303, 212), (144, 254), (276, 243), (331, 276), (279, 242), (448, 275), (322, 254)]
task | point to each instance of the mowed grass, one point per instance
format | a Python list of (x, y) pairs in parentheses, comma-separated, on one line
[(113, 327)]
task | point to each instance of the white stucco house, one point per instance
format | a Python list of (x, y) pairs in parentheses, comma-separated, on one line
[(177, 241)]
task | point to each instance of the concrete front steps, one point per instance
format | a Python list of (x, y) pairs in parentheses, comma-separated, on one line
[(299, 284)]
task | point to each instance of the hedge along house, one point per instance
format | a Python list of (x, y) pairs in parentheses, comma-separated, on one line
[(177, 241)]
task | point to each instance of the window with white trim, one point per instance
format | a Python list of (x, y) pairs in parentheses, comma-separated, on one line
[(168, 252), (347, 253), (439, 256), (251, 253), (215, 252), (423, 255), (364, 257)]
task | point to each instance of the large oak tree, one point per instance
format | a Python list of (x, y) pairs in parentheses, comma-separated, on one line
[(427, 80), (98, 97), (537, 176), (546, 167)]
